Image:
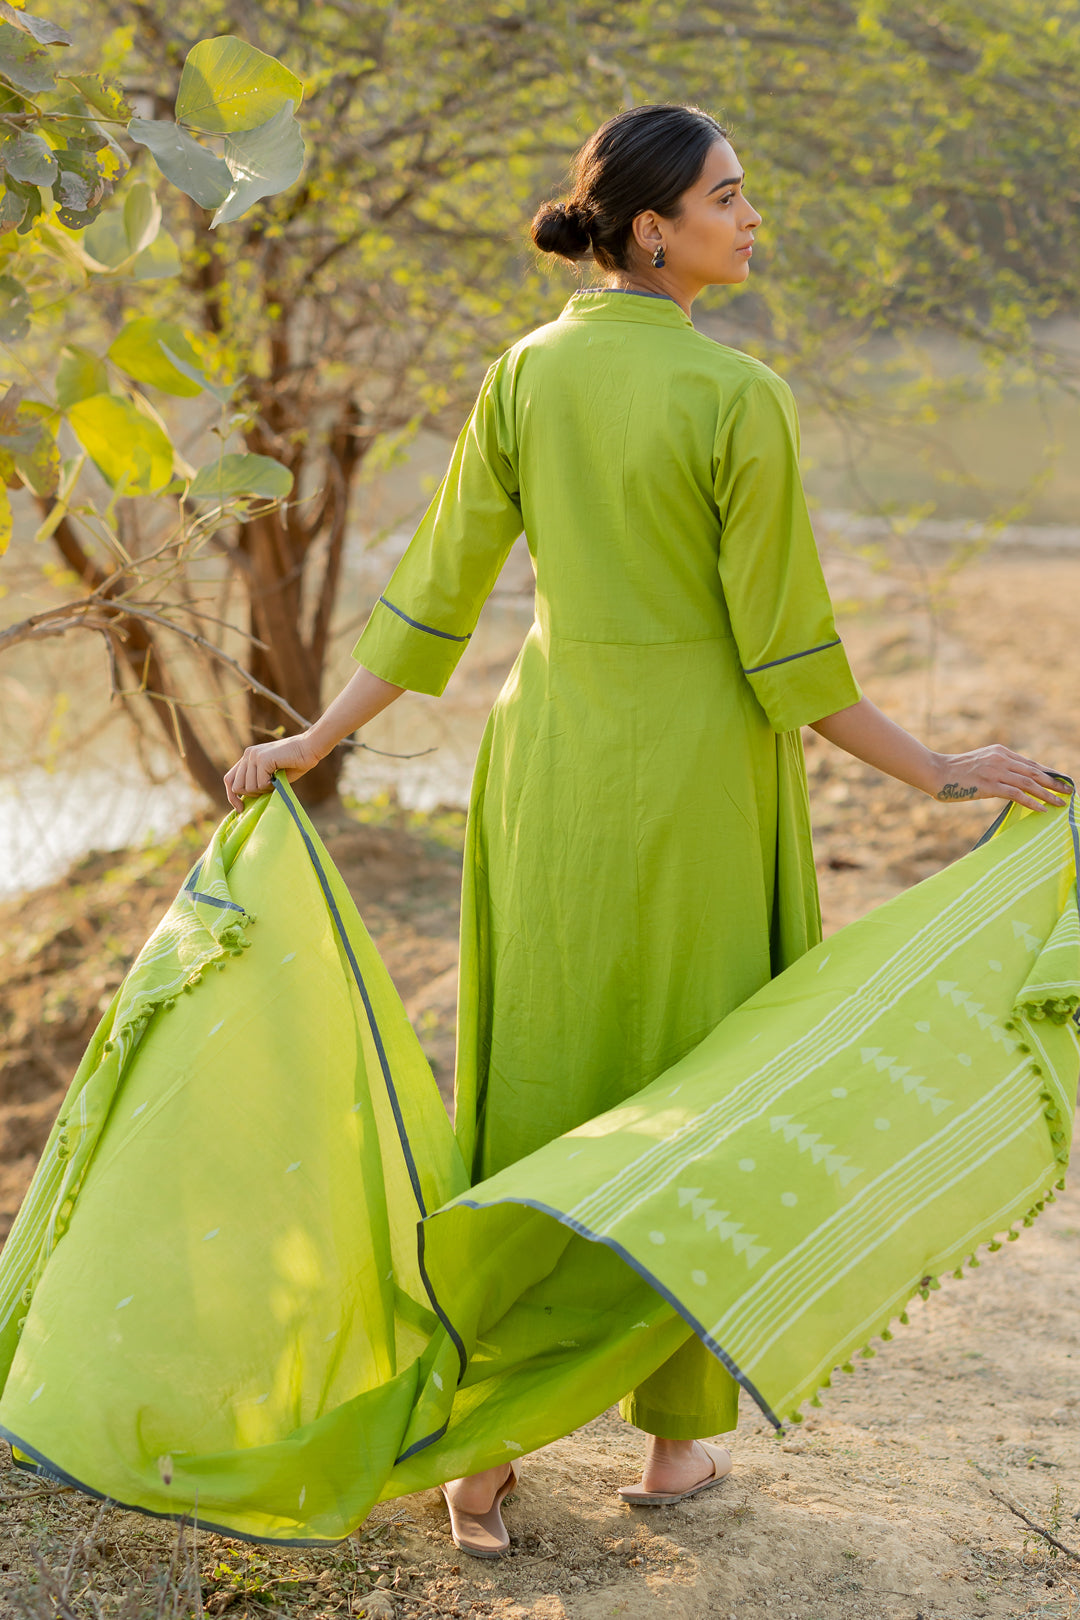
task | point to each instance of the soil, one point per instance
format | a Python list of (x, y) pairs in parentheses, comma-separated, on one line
[(881, 1504)]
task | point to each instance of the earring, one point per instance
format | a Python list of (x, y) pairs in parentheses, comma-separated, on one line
[(658, 259)]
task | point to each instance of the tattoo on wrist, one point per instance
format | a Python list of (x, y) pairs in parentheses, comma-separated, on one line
[(953, 790)]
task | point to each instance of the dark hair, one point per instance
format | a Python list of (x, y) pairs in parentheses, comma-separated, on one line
[(646, 157)]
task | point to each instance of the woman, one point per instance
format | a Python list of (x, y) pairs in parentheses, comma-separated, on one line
[(638, 858)]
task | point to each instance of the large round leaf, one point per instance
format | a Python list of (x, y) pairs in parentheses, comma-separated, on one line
[(142, 216), (25, 64), (200, 174), (39, 463), (103, 97), (241, 475), (228, 84), (14, 310), (160, 259), (131, 237), (39, 28), (106, 239), (28, 158), (80, 374), (129, 450), (262, 162), (137, 350)]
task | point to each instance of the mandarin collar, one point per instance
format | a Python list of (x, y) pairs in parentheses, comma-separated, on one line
[(612, 304)]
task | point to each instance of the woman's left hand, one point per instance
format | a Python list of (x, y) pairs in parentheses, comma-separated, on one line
[(997, 772), (252, 773)]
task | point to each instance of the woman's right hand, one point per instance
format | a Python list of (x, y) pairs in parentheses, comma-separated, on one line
[(251, 774)]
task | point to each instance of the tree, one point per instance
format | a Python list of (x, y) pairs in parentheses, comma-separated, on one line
[(355, 310), (916, 164), (59, 164)]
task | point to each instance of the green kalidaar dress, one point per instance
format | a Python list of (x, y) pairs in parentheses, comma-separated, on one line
[(638, 858), (255, 1279)]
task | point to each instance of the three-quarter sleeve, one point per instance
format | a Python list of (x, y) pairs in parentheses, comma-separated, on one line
[(776, 595), (422, 622)]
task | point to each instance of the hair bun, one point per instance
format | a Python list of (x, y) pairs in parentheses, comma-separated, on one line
[(562, 228)]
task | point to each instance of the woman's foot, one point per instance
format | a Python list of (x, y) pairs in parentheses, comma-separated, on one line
[(474, 1503), (676, 1469)]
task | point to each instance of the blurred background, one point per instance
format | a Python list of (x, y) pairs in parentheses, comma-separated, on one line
[(915, 281)]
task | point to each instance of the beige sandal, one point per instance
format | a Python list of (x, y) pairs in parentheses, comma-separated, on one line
[(721, 1461), (482, 1535)]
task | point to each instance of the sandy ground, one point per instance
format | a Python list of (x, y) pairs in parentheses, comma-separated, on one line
[(880, 1504)]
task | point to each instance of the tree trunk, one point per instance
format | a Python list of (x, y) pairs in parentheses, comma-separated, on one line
[(277, 547), (137, 646)]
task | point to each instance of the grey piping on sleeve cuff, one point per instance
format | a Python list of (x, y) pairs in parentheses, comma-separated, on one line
[(445, 634), (825, 645)]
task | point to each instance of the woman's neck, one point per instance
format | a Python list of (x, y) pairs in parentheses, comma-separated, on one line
[(657, 286)]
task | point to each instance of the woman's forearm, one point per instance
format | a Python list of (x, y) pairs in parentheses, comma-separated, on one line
[(361, 700), (365, 696), (862, 730), (994, 772)]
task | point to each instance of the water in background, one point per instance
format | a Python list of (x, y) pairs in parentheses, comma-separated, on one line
[(50, 819)]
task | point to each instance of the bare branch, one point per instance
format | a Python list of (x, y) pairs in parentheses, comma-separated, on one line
[(1013, 1507)]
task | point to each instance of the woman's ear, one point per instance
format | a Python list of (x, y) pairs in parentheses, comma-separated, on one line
[(646, 233)]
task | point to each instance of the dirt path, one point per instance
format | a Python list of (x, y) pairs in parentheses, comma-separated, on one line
[(879, 1505), (877, 1508)]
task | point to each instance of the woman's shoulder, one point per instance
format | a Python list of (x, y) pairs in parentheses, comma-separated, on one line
[(506, 366), (733, 374), (735, 366)]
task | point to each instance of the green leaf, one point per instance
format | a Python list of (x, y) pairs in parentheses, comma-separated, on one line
[(70, 126), (124, 232), (28, 158), (229, 85), (14, 310), (106, 239), (5, 520), (23, 62), (129, 450), (12, 208), (80, 374), (137, 350), (221, 391), (262, 161), (39, 466), (109, 241), (142, 216), (73, 188), (196, 171), (107, 98), (32, 204), (17, 434), (28, 446), (160, 260), (241, 475), (81, 190), (46, 33)]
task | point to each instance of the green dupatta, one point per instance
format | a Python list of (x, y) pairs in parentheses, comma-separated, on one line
[(249, 1283)]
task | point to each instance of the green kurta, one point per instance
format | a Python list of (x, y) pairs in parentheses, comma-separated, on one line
[(638, 858)]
